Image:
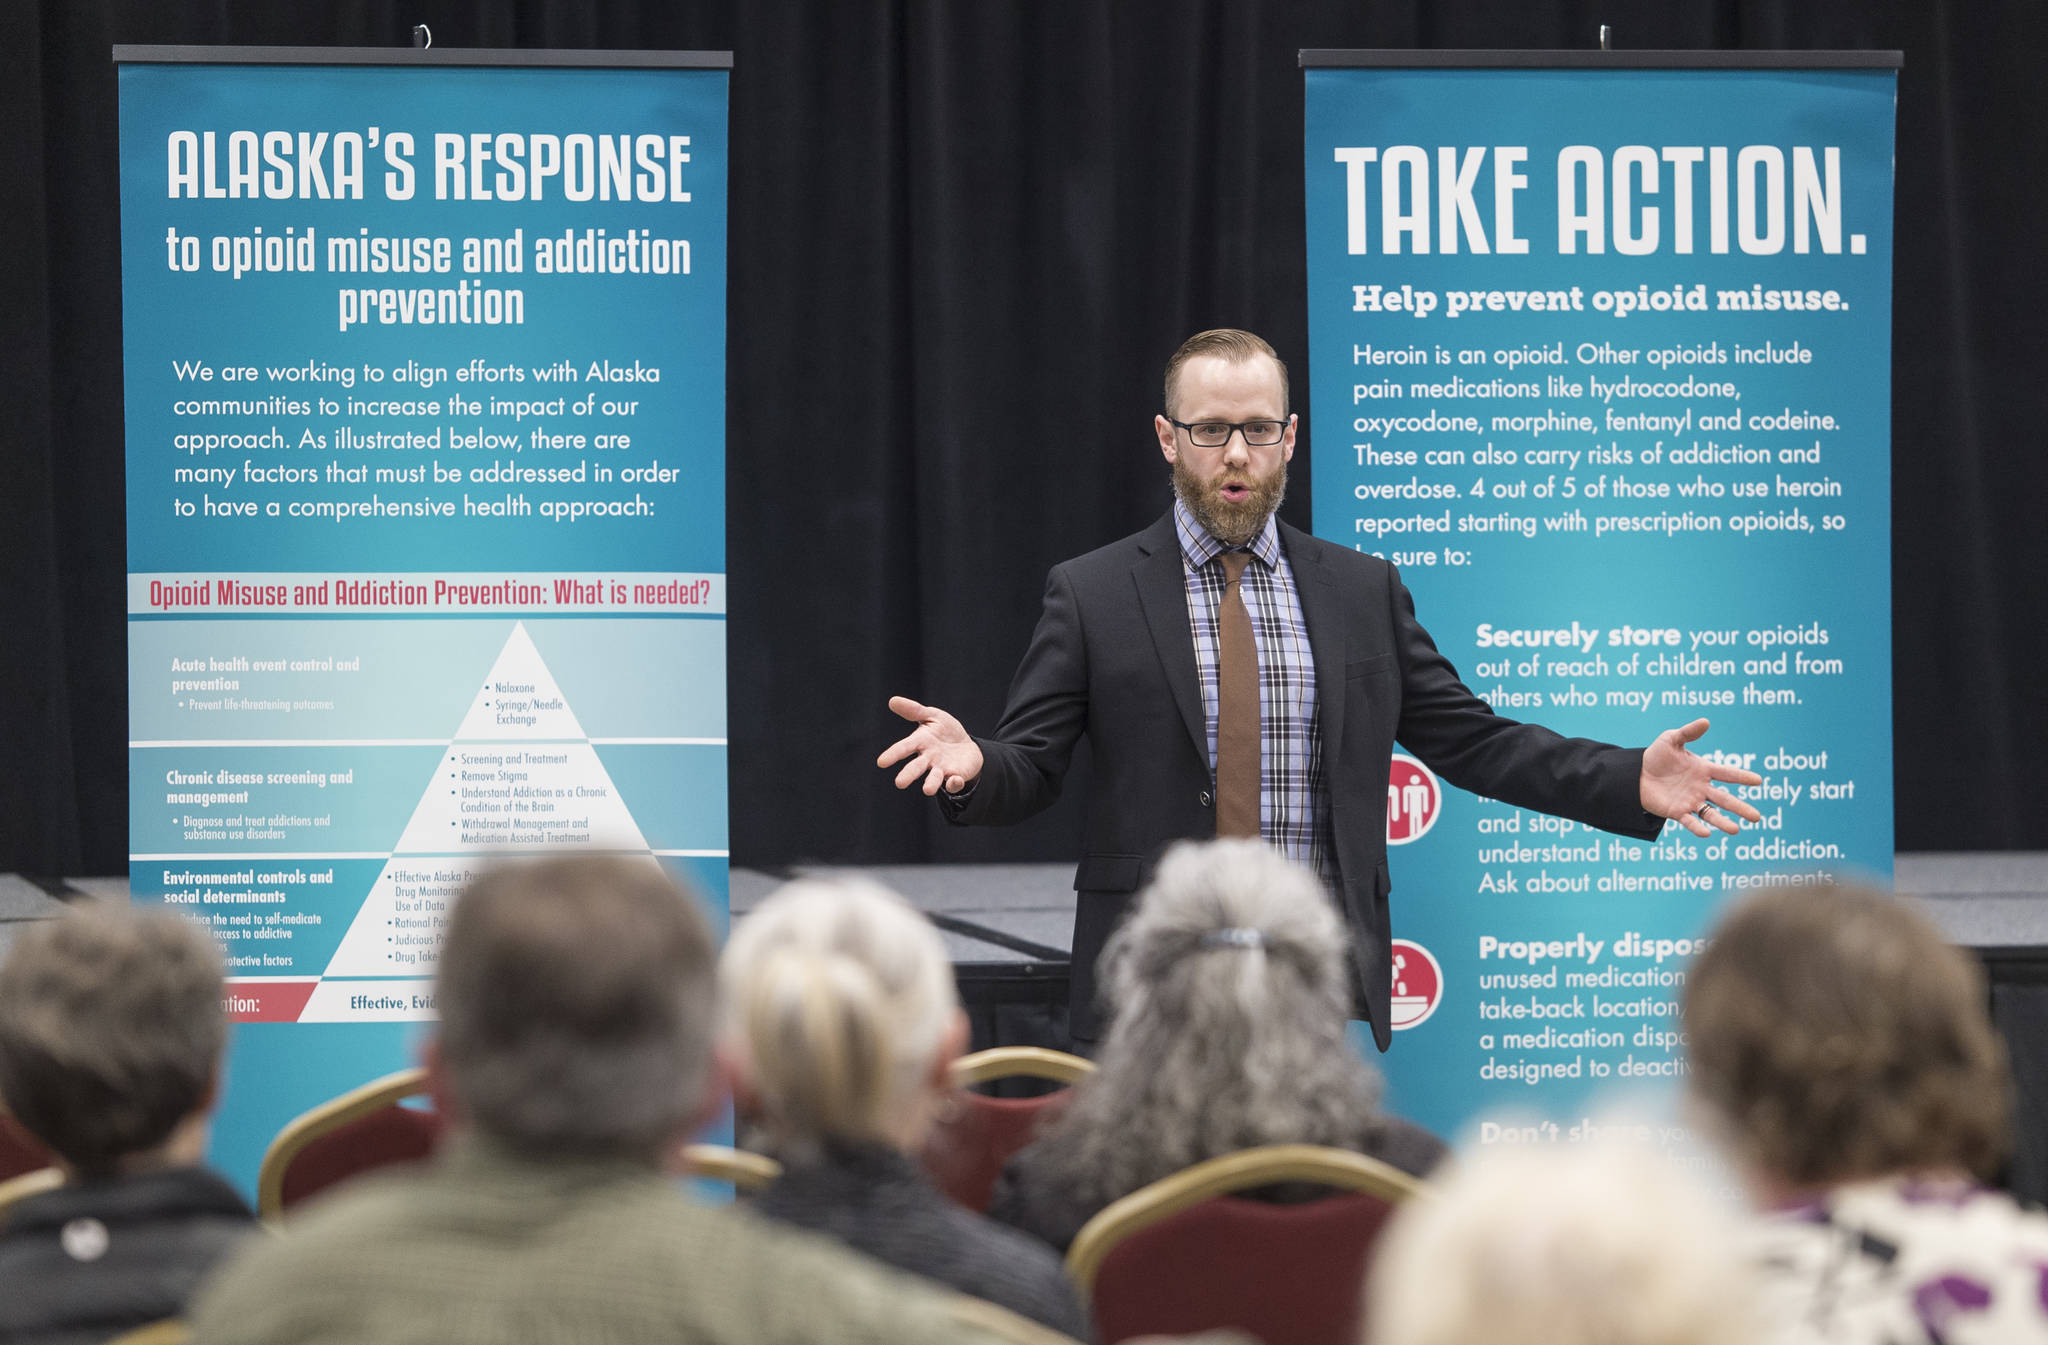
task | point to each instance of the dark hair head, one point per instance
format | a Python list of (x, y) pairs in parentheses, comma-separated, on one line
[(111, 1030), (1836, 1036), (576, 1000)]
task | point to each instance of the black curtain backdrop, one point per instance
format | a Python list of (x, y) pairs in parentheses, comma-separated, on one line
[(964, 239)]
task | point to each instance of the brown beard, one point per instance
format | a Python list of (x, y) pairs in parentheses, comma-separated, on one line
[(1231, 524)]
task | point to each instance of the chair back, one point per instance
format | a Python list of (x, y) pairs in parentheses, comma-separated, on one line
[(360, 1131), (747, 1171), (966, 1149), (23, 1185), (169, 1331), (1186, 1254), (20, 1151)]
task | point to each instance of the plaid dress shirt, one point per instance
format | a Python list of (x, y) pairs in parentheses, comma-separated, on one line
[(1294, 808)]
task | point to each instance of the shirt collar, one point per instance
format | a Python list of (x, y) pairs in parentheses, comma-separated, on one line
[(1198, 547), (135, 1198), (488, 1161), (866, 1163)]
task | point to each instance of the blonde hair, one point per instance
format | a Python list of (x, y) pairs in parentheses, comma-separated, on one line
[(1597, 1245), (837, 996)]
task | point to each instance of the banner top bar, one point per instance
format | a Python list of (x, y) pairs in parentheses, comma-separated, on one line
[(1312, 58), (412, 56)]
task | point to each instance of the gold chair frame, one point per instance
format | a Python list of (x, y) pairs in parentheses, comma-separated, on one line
[(747, 1171), (328, 1116), (19, 1188), (170, 1331), (1244, 1170), (1006, 1062)]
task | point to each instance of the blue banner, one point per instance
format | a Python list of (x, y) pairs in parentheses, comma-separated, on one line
[(425, 392), (1600, 359)]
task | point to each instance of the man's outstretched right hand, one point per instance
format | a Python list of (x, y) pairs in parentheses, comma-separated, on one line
[(938, 749)]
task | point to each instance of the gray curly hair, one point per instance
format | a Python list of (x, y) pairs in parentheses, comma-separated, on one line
[(1229, 994)]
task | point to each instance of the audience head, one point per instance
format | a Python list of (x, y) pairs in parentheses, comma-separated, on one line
[(1229, 991), (111, 1028), (1836, 1036), (840, 1015), (1596, 1245), (576, 1000)]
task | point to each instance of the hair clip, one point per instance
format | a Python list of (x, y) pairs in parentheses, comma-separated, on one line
[(1234, 937)]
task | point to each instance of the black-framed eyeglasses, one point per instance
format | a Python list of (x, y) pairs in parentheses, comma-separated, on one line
[(1216, 433)]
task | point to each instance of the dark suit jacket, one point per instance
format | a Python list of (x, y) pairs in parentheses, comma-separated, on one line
[(1114, 657), (1033, 1195)]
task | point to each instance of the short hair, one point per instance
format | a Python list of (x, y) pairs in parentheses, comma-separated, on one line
[(1229, 995), (837, 995), (1224, 343), (1594, 1245), (1834, 1035), (111, 1028), (576, 998)]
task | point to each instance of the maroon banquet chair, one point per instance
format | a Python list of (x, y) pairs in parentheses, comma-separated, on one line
[(1186, 1255), (966, 1149), (20, 1151), (364, 1129)]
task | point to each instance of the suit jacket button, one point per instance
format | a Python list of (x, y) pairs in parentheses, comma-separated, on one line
[(1204, 799)]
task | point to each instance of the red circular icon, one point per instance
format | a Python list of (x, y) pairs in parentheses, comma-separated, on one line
[(1418, 984), (1414, 798)]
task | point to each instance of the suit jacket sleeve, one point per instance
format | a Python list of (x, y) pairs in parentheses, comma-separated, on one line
[(1460, 738), (1025, 761)]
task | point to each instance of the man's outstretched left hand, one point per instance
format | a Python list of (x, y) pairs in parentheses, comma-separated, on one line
[(1685, 788)]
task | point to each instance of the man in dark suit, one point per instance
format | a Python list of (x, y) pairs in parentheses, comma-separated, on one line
[(1236, 676)]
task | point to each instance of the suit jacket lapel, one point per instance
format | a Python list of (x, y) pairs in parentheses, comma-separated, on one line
[(1163, 595), (1322, 609)]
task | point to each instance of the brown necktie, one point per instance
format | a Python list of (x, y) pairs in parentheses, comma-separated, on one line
[(1237, 708)]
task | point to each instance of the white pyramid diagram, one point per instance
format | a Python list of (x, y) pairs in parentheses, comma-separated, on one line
[(519, 699), (520, 776)]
